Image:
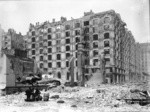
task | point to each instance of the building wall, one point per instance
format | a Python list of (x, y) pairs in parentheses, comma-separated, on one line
[(2, 59), (10, 76), (12, 40), (146, 54), (105, 33), (3, 69)]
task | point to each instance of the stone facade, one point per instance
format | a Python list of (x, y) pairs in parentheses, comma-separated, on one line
[(52, 43)]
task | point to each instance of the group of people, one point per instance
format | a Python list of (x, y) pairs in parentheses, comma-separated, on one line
[(33, 94)]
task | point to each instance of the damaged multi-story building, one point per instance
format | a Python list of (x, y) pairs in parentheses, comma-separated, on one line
[(106, 37)]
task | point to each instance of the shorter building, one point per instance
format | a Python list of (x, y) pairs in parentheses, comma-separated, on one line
[(15, 64)]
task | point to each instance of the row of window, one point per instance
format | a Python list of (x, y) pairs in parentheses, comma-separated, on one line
[(58, 64), (95, 53), (58, 56), (86, 38), (78, 25), (67, 34), (95, 63), (58, 41), (77, 32), (58, 49)]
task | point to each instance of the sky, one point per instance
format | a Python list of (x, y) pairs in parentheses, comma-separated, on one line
[(18, 14)]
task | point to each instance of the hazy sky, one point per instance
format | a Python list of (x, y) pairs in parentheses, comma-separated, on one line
[(19, 14)]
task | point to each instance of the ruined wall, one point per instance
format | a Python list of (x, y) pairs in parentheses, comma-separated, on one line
[(3, 68), (10, 76)]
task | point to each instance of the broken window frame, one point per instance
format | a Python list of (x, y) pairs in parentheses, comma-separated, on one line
[(33, 46), (76, 54), (86, 23), (58, 64), (76, 46), (68, 41), (76, 63), (67, 55), (50, 50), (95, 44), (95, 37), (77, 32), (106, 51), (77, 39), (33, 39), (41, 65), (86, 38), (41, 51), (33, 33), (33, 52), (67, 63), (87, 61), (106, 35), (49, 37), (49, 57), (106, 43), (49, 30), (95, 52), (95, 62), (67, 34), (67, 48), (59, 75), (58, 57), (49, 43), (41, 58), (86, 30)]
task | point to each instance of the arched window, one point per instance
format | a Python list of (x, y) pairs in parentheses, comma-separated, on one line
[(59, 75)]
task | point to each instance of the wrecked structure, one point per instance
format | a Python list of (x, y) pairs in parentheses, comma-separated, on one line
[(108, 48), (15, 64)]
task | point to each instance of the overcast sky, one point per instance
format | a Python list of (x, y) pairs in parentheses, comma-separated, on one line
[(19, 14)]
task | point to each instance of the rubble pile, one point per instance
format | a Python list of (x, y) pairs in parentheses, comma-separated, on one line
[(90, 97)]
